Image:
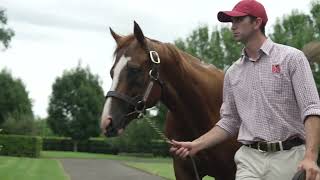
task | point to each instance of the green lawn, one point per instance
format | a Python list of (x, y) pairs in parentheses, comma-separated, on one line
[(82, 155), (47, 168), (14, 168)]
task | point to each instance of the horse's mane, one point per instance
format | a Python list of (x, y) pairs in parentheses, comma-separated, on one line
[(194, 61), (163, 47)]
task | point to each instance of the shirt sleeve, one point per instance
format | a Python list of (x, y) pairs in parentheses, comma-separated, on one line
[(230, 120), (304, 85)]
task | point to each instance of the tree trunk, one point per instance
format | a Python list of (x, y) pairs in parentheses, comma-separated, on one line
[(75, 146)]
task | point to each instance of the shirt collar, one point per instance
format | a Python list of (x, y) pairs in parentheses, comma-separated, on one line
[(265, 48)]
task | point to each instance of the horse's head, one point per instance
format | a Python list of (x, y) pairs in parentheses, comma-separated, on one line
[(135, 84)]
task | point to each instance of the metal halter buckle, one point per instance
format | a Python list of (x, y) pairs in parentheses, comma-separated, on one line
[(154, 76), (157, 60)]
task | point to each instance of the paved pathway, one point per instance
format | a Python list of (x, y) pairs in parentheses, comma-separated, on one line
[(102, 169)]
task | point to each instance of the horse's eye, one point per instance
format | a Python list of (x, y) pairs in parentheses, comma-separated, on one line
[(134, 70), (135, 76)]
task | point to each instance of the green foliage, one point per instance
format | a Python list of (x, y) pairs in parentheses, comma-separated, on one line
[(16, 145), (295, 30), (6, 33), (14, 100), (218, 47), (75, 105), (23, 125), (91, 145), (315, 12), (137, 136), (41, 128), (106, 146), (57, 144)]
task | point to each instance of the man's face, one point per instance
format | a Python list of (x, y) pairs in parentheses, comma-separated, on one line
[(243, 27)]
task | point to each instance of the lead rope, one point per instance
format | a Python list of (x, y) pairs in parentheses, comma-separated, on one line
[(161, 134)]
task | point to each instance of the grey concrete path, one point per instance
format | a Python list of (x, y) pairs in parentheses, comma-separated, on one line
[(102, 169)]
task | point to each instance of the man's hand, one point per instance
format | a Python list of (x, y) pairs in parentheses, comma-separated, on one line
[(183, 149), (311, 168)]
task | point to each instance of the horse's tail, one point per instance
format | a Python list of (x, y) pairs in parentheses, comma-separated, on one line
[(312, 51)]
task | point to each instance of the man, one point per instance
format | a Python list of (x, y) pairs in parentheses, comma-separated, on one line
[(270, 100)]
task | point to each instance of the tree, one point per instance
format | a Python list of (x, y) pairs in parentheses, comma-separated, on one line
[(315, 12), (42, 128), (15, 103), (19, 124), (6, 33), (296, 29), (75, 105), (217, 47)]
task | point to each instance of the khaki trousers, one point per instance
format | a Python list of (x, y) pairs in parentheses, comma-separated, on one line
[(255, 165)]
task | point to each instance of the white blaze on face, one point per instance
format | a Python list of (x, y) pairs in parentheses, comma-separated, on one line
[(116, 76)]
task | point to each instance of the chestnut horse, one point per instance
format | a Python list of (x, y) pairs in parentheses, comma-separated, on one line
[(147, 71)]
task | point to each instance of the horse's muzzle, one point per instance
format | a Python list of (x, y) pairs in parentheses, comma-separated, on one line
[(111, 131)]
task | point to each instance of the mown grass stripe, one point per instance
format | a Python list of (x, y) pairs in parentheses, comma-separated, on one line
[(13, 168)]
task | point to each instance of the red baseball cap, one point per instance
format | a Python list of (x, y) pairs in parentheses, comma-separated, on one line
[(244, 8)]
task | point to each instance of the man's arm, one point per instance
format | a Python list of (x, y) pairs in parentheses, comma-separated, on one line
[(308, 100), (215, 136), (312, 128), (227, 127), (309, 162)]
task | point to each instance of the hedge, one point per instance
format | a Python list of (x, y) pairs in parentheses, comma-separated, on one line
[(22, 146), (91, 145), (57, 144), (105, 146)]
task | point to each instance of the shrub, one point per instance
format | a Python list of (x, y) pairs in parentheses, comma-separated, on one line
[(95, 145), (17, 145), (106, 146)]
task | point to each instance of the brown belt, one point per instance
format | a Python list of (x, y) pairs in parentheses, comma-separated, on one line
[(276, 146)]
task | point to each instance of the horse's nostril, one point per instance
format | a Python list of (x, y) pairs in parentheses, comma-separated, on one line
[(106, 122), (109, 118)]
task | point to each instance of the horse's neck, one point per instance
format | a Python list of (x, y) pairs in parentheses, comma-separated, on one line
[(186, 94)]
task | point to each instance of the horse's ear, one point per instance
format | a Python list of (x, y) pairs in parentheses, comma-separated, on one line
[(115, 36), (139, 34)]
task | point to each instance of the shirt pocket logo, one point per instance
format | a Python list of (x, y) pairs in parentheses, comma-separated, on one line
[(276, 68)]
